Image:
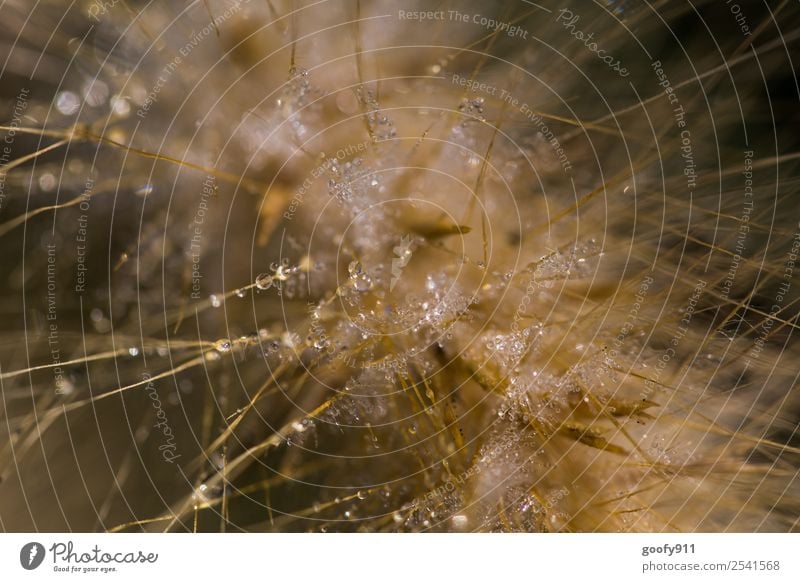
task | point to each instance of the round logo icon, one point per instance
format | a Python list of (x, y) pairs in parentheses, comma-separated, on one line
[(31, 555)]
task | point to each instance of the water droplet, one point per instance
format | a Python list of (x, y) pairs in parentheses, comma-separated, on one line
[(460, 521), (223, 345), (120, 106), (355, 269), (47, 182), (144, 190), (134, 351), (67, 102), (263, 281), (141, 433), (363, 494), (363, 283), (95, 93), (240, 293), (215, 301), (200, 494), (281, 272)]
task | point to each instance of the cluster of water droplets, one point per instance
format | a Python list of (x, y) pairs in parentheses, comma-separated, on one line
[(436, 510), (285, 278), (352, 184), (445, 302), (360, 281), (94, 94), (517, 404), (533, 395), (381, 127), (466, 133), (578, 261), (510, 348), (472, 110), (295, 102), (278, 276), (264, 342)]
